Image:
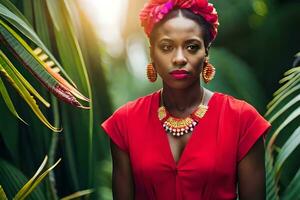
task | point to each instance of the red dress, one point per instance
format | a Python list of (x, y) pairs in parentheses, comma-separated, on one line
[(207, 168)]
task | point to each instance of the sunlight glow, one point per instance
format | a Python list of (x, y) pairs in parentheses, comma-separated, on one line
[(109, 17), (137, 56)]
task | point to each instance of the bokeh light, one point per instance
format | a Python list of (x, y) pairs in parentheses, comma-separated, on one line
[(108, 17)]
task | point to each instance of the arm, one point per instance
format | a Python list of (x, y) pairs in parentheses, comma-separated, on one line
[(122, 182), (251, 173)]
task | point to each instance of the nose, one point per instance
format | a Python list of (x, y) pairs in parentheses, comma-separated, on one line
[(179, 59)]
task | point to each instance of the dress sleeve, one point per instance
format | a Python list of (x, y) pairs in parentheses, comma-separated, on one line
[(252, 127), (115, 127)]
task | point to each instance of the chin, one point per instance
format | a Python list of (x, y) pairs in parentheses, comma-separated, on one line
[(181, 84)]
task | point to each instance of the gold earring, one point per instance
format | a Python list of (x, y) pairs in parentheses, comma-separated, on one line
[(208, 71), (151, 73)]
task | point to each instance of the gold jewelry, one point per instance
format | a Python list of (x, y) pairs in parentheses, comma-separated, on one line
[(208, 71), (180, 126), (151, 73)]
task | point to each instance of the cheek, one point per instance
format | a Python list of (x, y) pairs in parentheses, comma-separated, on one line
[(161, 67), (161, 62), (201, 62), (198, 64)]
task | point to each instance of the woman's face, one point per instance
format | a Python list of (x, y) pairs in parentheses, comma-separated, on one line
[(178, 52)]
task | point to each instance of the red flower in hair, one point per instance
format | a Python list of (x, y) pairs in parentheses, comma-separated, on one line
[(185, 3), (201, 3), (155, 10), (158, 1)]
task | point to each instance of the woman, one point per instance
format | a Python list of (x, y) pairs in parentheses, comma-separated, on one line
[(184, 141)]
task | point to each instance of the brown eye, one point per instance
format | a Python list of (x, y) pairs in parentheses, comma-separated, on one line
[(193, 48), (166, 47)]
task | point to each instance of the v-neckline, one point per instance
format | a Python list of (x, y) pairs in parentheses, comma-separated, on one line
[(164, 135)]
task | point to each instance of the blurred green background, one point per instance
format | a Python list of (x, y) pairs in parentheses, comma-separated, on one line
[(104, 50)]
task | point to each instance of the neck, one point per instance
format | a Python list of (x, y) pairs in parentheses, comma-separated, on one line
[(182, 101)]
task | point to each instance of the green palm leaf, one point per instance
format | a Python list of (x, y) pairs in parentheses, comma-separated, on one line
[(78, 140), (11, 7), (8, 101), (16, 19), (295, 100), (35, 180), (24, 81), (292, 191), (6, 70), (288, 85), (271, 184), (40, 69), (2, 194), (278, 99), (275, 161), (286, 122), (78, 194), (12, 180), (290, 74), (287, 149)]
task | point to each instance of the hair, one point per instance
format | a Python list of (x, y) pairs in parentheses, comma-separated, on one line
[(204, 25)]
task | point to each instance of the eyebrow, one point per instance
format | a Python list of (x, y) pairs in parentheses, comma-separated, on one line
[(165, 40), (193, 40), (187, 41)]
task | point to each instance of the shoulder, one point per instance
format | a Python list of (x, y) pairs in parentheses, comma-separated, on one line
[(117, 125), (231, 103), (237, 107), (246, 114), (136, 105)]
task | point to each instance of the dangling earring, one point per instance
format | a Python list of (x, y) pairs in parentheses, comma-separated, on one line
[(151, 73), (208, 71)]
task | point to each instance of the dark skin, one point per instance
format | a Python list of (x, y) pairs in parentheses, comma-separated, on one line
[(179, 45), (122, 180)]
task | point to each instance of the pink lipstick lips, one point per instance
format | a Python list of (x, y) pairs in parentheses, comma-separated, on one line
[(179, 74)]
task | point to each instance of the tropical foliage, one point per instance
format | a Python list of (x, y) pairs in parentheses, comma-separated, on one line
[(53, 43), (8, 173), (27, 189), (283, 112), (45, 45), (38, 64)]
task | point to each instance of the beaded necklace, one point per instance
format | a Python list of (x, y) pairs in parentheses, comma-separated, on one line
[(180, 126)]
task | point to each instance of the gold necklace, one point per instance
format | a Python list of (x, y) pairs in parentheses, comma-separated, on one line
[(180, 126)]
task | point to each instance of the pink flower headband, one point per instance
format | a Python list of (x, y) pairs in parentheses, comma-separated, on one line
[(155, 10)]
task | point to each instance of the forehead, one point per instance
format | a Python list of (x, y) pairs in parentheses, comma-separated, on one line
[(179, 27)]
